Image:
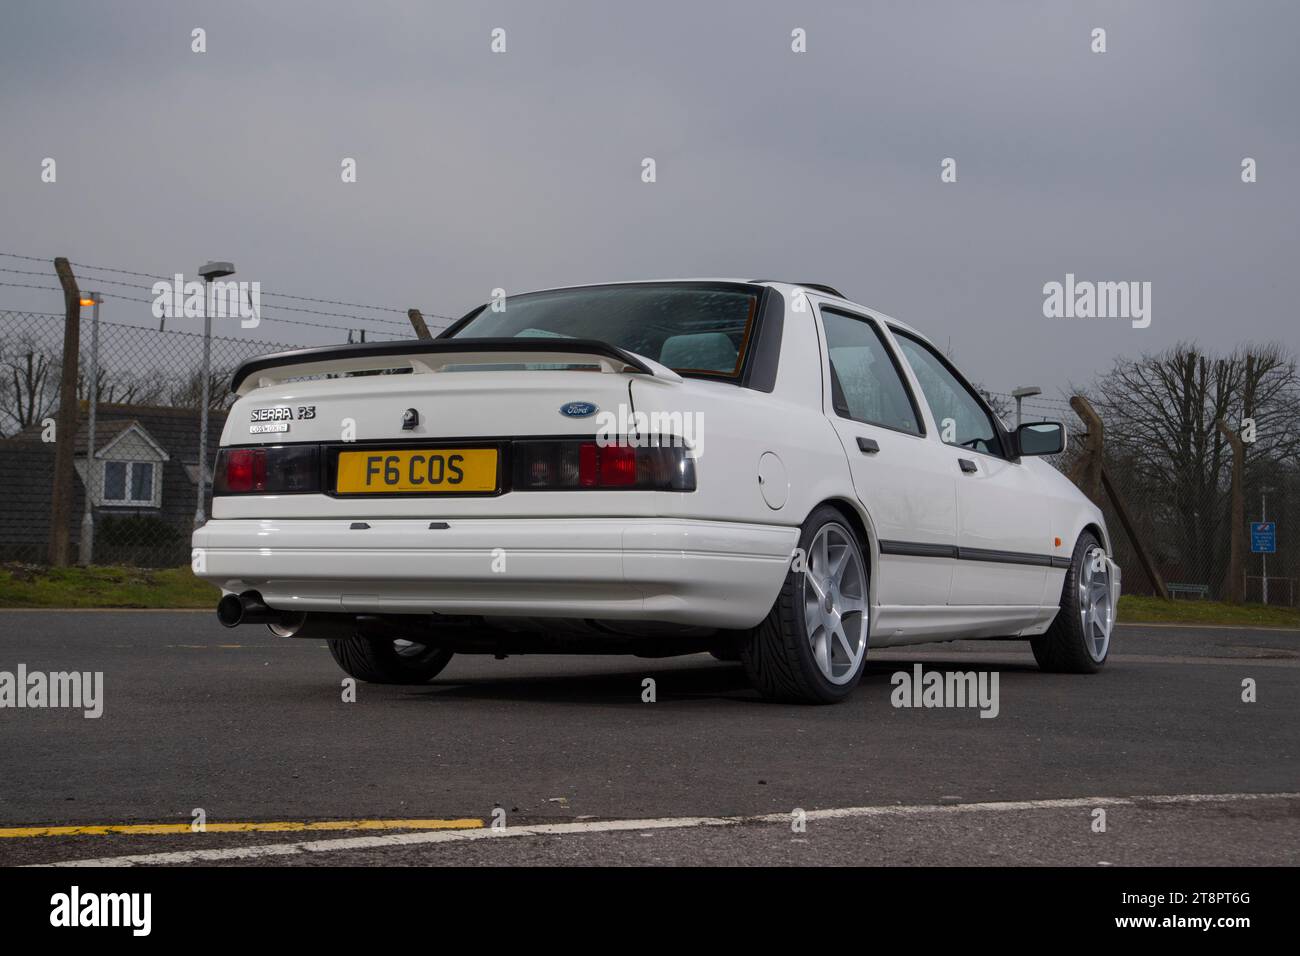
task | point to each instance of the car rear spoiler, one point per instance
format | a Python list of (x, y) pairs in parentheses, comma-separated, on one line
[(434, 355)]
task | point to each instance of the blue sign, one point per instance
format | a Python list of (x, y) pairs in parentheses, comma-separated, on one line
[(1263, 537)]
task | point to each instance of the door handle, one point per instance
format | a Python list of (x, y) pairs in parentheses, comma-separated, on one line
[(868, 446), (967, 466)]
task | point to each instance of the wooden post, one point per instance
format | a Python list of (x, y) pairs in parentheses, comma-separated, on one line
[(417, 321), (1144, 557), (66, 427), (1234, 584), (1089, 474), (1086, 473)]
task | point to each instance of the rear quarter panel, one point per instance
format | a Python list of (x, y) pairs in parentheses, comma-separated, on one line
[(741, 425)]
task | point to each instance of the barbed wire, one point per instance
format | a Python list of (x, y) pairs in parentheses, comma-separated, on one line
[(262, 317), (282, 295), (26, 285)]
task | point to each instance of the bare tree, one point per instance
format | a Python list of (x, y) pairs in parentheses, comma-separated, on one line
[(186, 391), (125, 388), (998, 403), (1161, 412), (29, 391)]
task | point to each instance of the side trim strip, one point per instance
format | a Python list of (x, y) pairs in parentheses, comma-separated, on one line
[(913, 549), (917, 549), (1004, 557)]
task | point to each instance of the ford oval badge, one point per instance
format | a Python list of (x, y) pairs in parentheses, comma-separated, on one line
[(578, 409)]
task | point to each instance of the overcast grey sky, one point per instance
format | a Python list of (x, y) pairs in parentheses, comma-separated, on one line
[(523, 170)]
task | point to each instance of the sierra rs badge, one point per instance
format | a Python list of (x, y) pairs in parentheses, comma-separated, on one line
[(276, 418)]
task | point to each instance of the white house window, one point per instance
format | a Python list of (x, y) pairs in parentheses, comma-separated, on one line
[(129, 483), (126, 471)]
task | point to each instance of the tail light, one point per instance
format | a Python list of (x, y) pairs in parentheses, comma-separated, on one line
[(537, 465), (564, 464), (282, 469)]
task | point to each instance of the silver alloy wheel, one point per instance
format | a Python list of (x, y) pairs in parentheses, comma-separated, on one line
[(1096, 610), (835, 603)]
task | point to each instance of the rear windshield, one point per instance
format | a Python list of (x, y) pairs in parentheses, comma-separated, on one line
[(694, 328)]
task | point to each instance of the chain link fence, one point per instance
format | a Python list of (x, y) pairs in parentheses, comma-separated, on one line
[(137, 477), (1184, 521), (142, 473)]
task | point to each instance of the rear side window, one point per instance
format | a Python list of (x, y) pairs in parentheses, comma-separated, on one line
[(865, 381)]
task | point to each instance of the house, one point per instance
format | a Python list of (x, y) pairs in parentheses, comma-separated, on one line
[(143, 478)]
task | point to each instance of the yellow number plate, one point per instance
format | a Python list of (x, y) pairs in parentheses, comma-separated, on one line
[(420, 471)]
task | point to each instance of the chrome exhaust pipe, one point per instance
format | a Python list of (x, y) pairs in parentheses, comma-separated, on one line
[(249, 608)]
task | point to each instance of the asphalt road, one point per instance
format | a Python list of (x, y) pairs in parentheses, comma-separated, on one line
[(254, 730)]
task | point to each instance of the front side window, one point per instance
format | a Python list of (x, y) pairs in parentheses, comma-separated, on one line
[(961, 419), (693, 328), (865, 382)]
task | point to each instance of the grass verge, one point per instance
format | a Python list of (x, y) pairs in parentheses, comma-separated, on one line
[(30, 585), (1137, 609)]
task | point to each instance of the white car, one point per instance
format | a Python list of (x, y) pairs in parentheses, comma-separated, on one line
[(759, 469)]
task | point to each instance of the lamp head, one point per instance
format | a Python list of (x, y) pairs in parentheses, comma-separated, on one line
[(216, 270)]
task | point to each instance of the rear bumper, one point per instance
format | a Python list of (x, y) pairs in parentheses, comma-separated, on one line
[(705, 573)]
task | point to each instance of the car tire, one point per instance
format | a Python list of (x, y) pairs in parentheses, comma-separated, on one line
[(385, 661), (1069, 645), (782, 660)]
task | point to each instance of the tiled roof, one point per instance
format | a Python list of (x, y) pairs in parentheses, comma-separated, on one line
[(106, 431)]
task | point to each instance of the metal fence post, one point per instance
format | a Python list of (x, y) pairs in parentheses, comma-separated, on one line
[(1263, 556), (209, 271), (88, 485), (199, 518)]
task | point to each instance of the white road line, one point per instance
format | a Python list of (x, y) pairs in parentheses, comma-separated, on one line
[(894, 655), (663, 823)]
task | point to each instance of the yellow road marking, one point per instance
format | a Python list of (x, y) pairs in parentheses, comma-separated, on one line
[(283, 826)]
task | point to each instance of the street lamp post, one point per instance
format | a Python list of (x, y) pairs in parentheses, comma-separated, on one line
[(212, 270), (1263, 557), (87, 544), (1021, 393)]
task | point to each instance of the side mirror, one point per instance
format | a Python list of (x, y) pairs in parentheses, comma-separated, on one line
[(1040, 438)]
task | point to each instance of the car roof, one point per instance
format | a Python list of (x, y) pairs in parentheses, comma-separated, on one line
[(816, 289), (829, 295)]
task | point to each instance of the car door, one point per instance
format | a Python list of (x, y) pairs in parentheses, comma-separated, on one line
[(1003, 520), (901, 477)]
